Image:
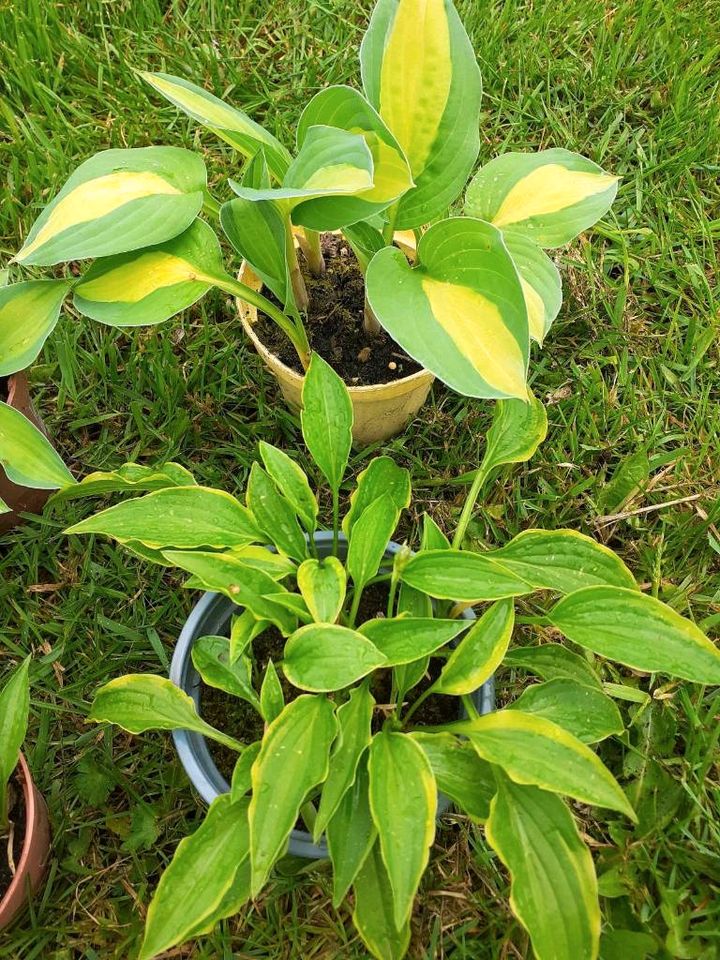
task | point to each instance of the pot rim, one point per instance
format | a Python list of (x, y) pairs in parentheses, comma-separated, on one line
[(192, 748), (31, 829), (248, 276)]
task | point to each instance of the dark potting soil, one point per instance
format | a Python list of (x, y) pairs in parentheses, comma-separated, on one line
[(4, 388), (334, 323), (17, 818), (240, 720)]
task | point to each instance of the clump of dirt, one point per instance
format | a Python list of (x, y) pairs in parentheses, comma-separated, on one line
[(334, 324), (11, 844)]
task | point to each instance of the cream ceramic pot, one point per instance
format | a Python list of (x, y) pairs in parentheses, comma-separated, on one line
[(380, 411)]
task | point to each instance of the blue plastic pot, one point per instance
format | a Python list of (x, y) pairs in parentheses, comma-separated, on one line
[(211, 617)]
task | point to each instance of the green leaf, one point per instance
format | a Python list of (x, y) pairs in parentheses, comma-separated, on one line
[(331, 165), (14, 712), (257, 229), (184, 517), (292, 482), (327, 419), (235, 897), (130, 478), (241, 777), (293, 759), (586, 712), (214, 852), (151, 284), (420, 72), (116, 201), (537, 751), (322, 584), (369, 540), (274, 514), (459, 772), (627, 945), (139, 702), (246, 586), (322, 657), (418, 605), (432, 536), (26, 454), (381, 476), (211, 659), (461, 575), (347, 109), (554, 891), (28, 314), (517, 431), (373, 915), (275, 565), (551, 660), (638, 631), (630, 478), (354, 719), (550, 196), (406, 639), (230, 124), (540, 281), (479, 653), (272, 701), (243, 629), (460, 312), (365, 241), (403, 801), (350, 833), (563, 560)]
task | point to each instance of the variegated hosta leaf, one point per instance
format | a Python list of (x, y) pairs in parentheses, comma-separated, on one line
[(540, 281), (420, 73), (130, 477), (226, 122), (116, 201), (550, 196), (461, 312), (331, 162), (153, 284), (381, 476), (554, 888), (347, 109), (257, 230), (27, 456), (28, 314)]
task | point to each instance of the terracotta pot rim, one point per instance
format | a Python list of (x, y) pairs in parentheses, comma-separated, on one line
[(248, 276), (31, 823)]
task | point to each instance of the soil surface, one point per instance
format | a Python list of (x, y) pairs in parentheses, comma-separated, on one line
[(334, 324), (17, 819), (4, 388), (240, 720)]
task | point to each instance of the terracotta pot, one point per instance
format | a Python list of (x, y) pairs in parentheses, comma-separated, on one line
[(381, 411), (33, 861), (20, 499)]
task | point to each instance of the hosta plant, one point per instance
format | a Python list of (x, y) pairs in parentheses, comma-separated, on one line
[(14, 713), (393, 157), (365, 774)]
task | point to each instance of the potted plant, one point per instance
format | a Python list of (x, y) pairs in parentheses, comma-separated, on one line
[(384, 167), (24, 826), (29, 466), (356, 669)]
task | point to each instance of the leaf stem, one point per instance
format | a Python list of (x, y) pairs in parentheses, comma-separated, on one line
[(470, 501), (389, 228), (295, 332), (418, 703), (336, 520)]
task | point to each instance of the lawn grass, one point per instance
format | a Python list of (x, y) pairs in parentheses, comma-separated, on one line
[(629, 373)]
